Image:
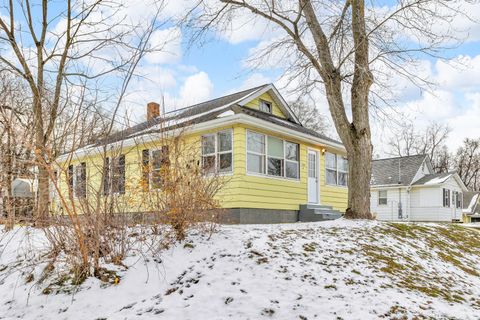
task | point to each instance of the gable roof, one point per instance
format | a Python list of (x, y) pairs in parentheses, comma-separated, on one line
[(434, 178), (396, 171), (471, 202), (232, 104)]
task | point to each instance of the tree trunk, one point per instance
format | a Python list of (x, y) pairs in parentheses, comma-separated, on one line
[(43, 196), (359, 168), (8, 199)]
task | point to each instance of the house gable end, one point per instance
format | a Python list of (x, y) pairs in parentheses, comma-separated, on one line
[(270, 95)]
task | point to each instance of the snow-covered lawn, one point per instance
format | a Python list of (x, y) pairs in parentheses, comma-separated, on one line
[(330, 270)]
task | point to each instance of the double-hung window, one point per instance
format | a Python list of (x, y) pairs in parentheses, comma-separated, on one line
[(217, 152), (382, 197), (272, 156), (446, 198), (292, 165), (256, 152), (336, 169), (160, 162), (114, 175), (459, 200), (81, 180), (154, 165), (275, 157), (77, 180)]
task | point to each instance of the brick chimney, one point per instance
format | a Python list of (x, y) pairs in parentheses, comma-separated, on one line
[(153, 110)]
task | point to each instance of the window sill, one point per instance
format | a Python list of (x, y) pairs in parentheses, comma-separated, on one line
[(336, 185), (272, 177)]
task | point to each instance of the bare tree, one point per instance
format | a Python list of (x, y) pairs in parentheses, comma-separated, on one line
[(309, 116), (15, 139), (431, 141), (54, 44), (335, 45), (467, 163)]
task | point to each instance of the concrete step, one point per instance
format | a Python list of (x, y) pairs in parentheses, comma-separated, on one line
[(311, 213), (315, 206)]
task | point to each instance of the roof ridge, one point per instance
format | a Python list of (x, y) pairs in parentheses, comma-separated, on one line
[(401, 157), (217, 98)]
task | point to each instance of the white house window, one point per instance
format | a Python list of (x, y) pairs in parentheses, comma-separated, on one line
[(292, 165), (336, 169), (459, 200), (275, 157), (382, 197), (255, 152), (446, 198), (272, 156), (81, 180), (265, 106), (114, 175), (159, 161), (217, 152)]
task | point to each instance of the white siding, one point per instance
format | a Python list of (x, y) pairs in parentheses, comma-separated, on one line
[(422, 171), (389, 212), (420, 204)]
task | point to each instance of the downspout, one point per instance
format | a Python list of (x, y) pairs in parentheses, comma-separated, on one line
[(400, 210)]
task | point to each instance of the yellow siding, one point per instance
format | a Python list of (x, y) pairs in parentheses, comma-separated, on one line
[(242, 190), (255, 104)]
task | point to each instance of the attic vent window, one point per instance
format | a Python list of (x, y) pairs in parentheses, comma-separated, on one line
[(265, 106)]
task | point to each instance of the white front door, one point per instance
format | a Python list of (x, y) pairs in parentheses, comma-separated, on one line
[(312, 176)]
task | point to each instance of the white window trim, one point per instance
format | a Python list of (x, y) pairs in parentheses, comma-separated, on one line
[(337, 171), (217, 153), (266, 175), (386, 197), (268, 103), (151, 169), (110, 176)]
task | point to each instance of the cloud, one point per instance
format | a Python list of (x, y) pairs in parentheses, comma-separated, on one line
[(167, 44), (196, 88)]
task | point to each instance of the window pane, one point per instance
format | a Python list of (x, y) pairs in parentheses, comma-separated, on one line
[(208, 144), (342, 164), (225, 162), (255, 163), (256, 142), (265, 106), (275, 147), (342, 178), (291, 150), (312, 165), (225, 141), (330, 161), (291, 169), (275, 167), (208, 164), (156, 159), (382, 197), (331, 177), (156, 179)]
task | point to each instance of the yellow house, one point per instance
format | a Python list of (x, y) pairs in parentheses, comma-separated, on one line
[(278, 170)]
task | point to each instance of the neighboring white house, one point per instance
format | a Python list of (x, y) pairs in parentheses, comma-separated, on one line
[(407, 189), (471, 206)]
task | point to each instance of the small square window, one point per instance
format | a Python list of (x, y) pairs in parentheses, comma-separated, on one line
[(382, 197), (265, 106)]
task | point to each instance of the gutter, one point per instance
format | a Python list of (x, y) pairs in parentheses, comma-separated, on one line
[(223, 121)]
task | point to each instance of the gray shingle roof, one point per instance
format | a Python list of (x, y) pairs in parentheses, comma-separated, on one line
[(467, 199), (396, 171), (206, 111), (433, 178)]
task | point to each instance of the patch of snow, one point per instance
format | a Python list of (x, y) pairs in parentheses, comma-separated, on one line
[(226, 114), (438, 180), (288, 271)]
